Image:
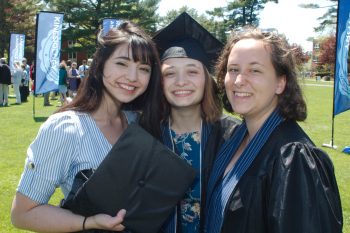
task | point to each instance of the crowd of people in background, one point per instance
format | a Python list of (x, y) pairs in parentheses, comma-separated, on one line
[(18, 77), (22, 76), (70, 76)]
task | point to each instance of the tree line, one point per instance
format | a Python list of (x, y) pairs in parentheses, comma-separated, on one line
[(82, 19)]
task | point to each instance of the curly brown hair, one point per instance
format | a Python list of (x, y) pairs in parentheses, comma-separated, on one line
[(291, 103)]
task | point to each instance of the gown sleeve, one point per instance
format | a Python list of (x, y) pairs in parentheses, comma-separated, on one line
[(304, 196)]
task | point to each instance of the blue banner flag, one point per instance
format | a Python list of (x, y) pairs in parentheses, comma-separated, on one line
[(17, 42), (48, 46), (341, 82), (107, 24)]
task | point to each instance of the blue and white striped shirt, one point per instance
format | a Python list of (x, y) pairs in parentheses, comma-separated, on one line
[(66, 143)]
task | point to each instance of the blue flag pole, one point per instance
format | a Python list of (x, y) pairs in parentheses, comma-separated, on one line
[(331, 144)]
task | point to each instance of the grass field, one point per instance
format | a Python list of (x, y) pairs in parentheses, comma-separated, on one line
[(19, 127)]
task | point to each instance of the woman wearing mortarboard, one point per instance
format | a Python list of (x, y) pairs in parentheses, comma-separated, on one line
[(192, 122), (269, 176), (125, 74)]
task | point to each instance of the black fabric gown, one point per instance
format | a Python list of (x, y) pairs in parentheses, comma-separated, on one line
[(289, 188), (221, 131)]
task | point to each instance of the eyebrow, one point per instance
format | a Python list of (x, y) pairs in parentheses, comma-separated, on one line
[(251, 63), (122, 57), (193, 65)]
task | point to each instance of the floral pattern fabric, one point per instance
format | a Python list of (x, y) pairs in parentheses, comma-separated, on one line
[(188, 147)]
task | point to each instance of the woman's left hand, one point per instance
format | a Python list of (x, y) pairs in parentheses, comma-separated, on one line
[(106, 222)]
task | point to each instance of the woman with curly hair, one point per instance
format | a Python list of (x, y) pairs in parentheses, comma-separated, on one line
[(269, 176)]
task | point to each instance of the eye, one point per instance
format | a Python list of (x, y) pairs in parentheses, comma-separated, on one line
[(168, 74), (193, 72), (255, 71), (232, 70), (146, 69), (120, 63)]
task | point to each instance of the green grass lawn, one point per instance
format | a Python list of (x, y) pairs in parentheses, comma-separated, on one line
[(19, 127)]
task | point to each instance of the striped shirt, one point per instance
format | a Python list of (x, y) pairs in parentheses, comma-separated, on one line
[(66, 143)]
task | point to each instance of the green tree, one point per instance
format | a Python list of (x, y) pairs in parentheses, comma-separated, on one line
[(17, 17), (301, 57), (172, 14), (209, 23), (217, 23), (82, 18), (329, 18), (327, 54), (236, 14)]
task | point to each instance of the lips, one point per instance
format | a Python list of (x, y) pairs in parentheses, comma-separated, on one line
[(242, 94), (182, 92), (127, 87)]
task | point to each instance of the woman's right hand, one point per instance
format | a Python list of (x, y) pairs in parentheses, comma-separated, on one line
[(30, 215), (106, 222)]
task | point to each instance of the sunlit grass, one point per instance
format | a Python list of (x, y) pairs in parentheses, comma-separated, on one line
[(19, 127)]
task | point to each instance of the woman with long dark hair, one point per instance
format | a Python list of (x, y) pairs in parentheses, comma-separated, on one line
[(124, 76)]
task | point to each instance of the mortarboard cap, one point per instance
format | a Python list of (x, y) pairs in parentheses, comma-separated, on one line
[(140, 175), (185, 37)]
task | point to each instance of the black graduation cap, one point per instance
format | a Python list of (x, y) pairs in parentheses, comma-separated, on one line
[(185, 37), (140, 175)]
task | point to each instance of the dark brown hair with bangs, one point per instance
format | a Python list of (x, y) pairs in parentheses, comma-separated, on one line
[(91, 89)]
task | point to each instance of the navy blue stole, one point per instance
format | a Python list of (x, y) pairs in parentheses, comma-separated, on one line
[(220, 188), (171, 223)]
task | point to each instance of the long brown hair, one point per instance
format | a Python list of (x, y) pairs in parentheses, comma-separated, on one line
[(291, 103), (91, 89)]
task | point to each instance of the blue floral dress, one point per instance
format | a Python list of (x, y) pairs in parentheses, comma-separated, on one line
[(187, 145)]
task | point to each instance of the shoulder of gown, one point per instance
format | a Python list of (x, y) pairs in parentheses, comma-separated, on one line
[(303, 193)]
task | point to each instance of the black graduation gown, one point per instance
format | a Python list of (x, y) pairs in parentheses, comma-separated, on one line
[(290, 187), (221, 131)]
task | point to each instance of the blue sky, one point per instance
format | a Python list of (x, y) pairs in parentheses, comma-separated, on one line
[(295, 22)]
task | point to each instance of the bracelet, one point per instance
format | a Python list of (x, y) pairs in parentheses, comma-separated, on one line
[(84, 223)]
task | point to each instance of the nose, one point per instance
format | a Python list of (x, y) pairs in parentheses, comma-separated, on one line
[(181, 79), (131, 76), (240, 79)]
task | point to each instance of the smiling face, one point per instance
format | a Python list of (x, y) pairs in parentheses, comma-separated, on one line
[(251, 82), (123, 78), (183, 82)]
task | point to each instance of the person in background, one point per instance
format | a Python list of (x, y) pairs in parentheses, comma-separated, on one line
[(125, 74), (83, 69), (73, 79), (18, 79), (269, 176), (62, 82), (46, 99), (32, 76), (193, 125), (5, 81), (24, 87), (27, 71), (89, 61)]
